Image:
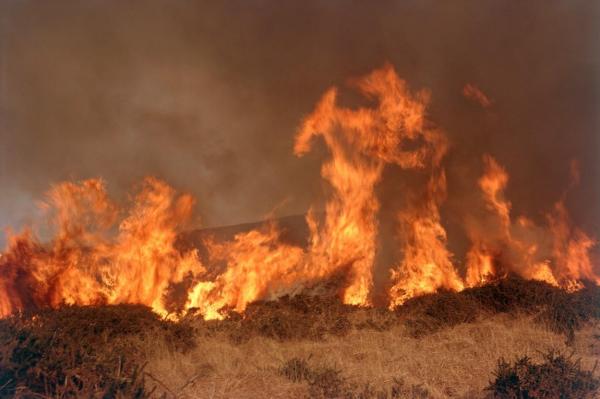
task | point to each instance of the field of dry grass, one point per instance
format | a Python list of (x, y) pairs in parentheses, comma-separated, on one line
[(438, 346), (454, 362)]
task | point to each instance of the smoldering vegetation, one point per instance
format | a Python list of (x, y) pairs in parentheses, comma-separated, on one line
[(120, 351)]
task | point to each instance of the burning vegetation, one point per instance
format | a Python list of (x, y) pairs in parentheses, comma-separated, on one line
[(487, 338), (100, 253)]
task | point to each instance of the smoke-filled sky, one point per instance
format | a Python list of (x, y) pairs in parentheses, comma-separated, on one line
[(208, 96)]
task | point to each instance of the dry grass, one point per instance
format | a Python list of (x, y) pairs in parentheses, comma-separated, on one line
[(455, 362)]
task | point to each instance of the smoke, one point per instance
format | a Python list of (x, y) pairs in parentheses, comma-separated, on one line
[(208, 96)]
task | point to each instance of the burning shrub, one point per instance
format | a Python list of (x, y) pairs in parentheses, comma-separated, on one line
[(557, 377), (82, 351)]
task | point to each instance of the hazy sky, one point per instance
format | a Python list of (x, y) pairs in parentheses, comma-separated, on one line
[(208, 96)]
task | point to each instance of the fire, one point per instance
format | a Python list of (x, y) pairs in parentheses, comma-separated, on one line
[(480, 265), (571, 248), (427, 264), (515, 246), (258, 266), (99, 252), (362, 141), (85, 262)]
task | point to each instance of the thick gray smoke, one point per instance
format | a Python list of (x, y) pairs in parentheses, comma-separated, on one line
[(208, 96)]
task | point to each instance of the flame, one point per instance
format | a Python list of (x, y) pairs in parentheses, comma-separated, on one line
[(427, 264), (259, 266), (480, 265), (99, 252), (362, 141), (483, 259), (519, 242), (493, 183), (86, 263), (571, 248)]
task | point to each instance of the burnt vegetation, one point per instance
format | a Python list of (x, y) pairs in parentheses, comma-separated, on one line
[(98, 351)]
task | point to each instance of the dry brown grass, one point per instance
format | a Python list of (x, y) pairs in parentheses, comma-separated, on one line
[(455, 362)]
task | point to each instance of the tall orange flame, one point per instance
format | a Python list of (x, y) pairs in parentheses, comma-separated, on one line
[(427, 264), (361, 142)]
